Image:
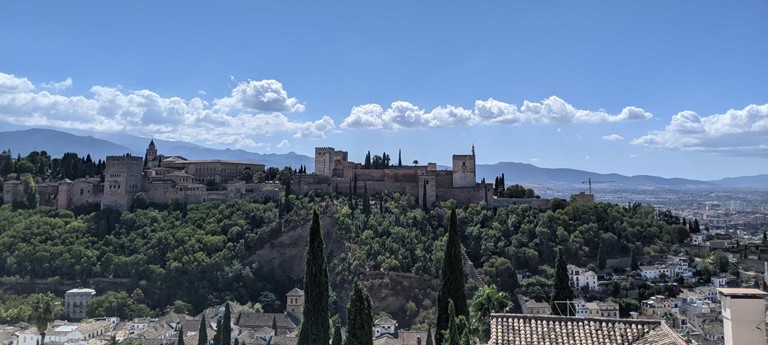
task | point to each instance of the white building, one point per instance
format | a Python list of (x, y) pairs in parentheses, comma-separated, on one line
[(66, 333), (76, 302), (384, 326), (654, 272), (581, 278), (719, 281)]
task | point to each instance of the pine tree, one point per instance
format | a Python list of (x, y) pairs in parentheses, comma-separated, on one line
[(359, 317), (633, 266), (315, 328), (562, 291), (452, 281), (336, 335), (399, 158), (202, 338), (601, 259), (429, 336), (226, 326), (180, 341)]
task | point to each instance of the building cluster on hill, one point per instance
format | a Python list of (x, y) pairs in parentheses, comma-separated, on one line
[(161, 178), (334, 172)]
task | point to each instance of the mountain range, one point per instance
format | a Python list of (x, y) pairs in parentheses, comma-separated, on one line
[(100, 145)]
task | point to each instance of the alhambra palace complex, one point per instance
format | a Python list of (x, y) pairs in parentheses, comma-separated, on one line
[(165, 178)]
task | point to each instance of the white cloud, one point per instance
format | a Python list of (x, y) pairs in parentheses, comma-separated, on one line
[(60, 86), (402, 115), (284, 144), (737, 132), (613, 137), (259, 95), (9, 83), (143, 112)]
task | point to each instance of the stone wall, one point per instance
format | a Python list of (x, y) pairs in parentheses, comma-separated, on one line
[(535, 203), (464, 171)]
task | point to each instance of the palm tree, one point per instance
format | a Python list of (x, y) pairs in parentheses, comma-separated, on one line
[(43, 309), (487, 300)]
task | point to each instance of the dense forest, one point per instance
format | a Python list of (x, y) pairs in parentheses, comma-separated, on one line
[(191, 257)]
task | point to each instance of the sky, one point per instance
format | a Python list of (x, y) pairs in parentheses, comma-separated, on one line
[(666, 88)]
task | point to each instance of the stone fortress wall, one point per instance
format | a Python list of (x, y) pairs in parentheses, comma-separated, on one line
[(164, 179), (339, 176)]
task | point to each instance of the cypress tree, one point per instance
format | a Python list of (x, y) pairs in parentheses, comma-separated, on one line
[(562, 288), (452, 333), (226, 326), (274, 324), (399, 158), (601, 259), (217, 337), (367, 163), (336, 335), (202, 338), (633, 266), (696, 228), (180, 341), (452, 282), (359, 317), (429, 336), (424, 198), (354, 186), (315, 328), (366, 200), (236, 342)]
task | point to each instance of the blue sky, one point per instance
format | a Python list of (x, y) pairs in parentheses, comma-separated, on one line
[(669, 88)]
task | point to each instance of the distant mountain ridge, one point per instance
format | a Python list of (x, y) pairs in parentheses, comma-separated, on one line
[(523, 173), (100, 145)]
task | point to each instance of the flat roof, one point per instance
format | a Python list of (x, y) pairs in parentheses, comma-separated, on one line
[(742, 292), (82, 290)]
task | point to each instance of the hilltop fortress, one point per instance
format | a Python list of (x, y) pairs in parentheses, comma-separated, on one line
[(335, 173), (161, 178)]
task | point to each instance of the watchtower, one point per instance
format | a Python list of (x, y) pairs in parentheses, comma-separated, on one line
[(324, 160), (464, 170), (295, 303)]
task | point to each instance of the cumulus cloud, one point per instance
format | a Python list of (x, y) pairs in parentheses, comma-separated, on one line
[(403, 115), (613, 137), (243, 116), (9, 83), (259, 95), (60, 86), (737, 131), (283, 144)]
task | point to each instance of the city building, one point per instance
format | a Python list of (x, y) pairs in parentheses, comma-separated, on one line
[(76, 302)]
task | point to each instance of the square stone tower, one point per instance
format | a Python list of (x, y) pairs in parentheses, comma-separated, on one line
[(324, 160), (76, 302), (464, 170), (122, 180), (295, 303)]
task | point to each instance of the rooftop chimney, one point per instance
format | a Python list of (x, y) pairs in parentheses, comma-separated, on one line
[(743, 315)]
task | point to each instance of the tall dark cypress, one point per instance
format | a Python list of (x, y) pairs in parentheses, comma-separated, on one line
[(366, 200), (633, 266), (399, 158), (424, 198), (226, 326), (359, 317), (562, 291), (452, 282), (274, 324), (315, 328), (217, 336), (601, 258), (180, 341), (429, 336), (453, 328), (202, 338)]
